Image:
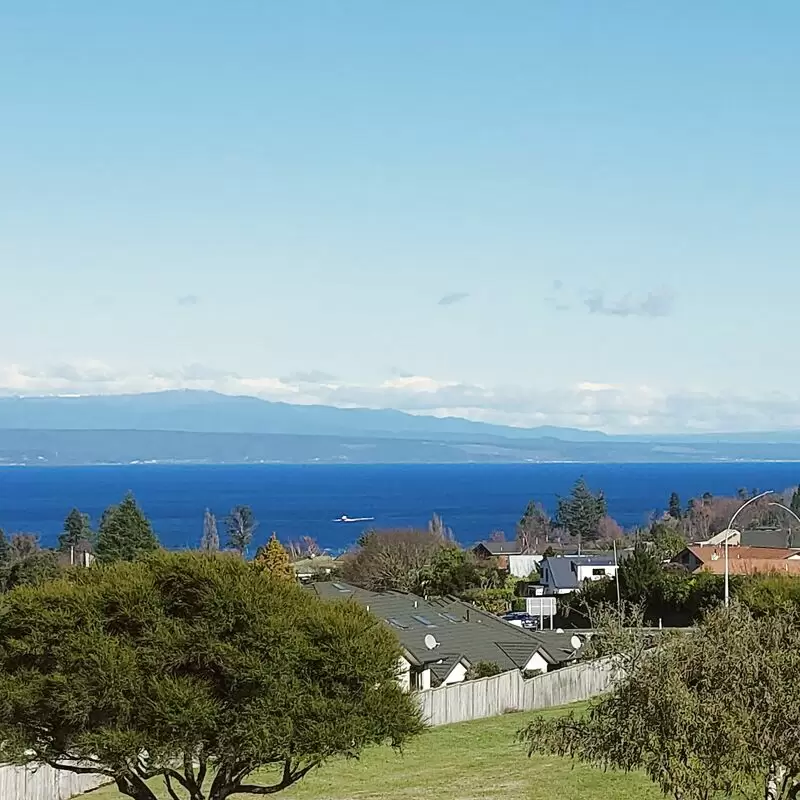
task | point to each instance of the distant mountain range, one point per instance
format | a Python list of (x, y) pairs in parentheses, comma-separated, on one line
[(192, 426)]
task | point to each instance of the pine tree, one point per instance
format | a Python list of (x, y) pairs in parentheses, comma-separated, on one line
[(125, 533), (77, 528), (5, 549), (674, 509), (581, 512), (273, 559), (210, 541), (795, 502), (241, 525)]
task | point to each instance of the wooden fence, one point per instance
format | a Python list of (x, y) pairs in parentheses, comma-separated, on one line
[(44, 783), (490, 697)]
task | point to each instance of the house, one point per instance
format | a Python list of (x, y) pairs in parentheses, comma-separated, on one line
[(79, 555), (696, 558), (502, 551), (510, 556), (768, 537), (442, 638), (564, 574)]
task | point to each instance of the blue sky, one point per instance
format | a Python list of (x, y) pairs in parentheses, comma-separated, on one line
[(524, 212)]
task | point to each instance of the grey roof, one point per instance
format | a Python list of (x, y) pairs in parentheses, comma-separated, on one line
[(766, 538), (463, 631), (501, 548), (562, 568)]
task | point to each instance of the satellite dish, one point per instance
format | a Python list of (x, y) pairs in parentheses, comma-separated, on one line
[(559, 630), (575, 642), (430, 642)]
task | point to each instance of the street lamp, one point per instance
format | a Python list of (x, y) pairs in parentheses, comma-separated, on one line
[(730, 529)]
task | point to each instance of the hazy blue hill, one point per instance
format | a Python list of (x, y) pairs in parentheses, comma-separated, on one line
[(209, 412)]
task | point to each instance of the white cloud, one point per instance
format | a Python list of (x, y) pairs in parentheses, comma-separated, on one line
[(587, 404)]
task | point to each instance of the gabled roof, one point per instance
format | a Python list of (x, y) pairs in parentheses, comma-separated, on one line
[(709, 553), (752, 566), (562, 569), (462, 631), (500, 548)]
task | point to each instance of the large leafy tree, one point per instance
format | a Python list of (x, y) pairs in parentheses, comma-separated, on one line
[(125, 533), (534, 528), (77, 529), (196, 672), (580, 513), (714, 713), (392, 559), (241, 524)]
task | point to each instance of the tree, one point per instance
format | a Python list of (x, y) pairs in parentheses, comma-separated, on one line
[(34, 569), (640, 575), (533, 529), (77, 529), (241, 524), (483, 669), (209, 543), (672, 712), (581, 512), (674, 509), (125, 533), (437, 527), (609, 530), (194, 671), (273, 559), (666, 539), (5, 549), (22, 545), (392, 559), (451, 571), (794, 505)]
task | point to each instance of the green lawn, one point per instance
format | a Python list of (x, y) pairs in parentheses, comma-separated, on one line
[(471, 761)]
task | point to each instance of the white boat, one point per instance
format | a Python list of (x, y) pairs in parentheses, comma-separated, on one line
[(345, 518)]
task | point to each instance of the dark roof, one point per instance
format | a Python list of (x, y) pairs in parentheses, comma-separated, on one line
[(766, 538), (463, 631), (501, 548), (562, 568)]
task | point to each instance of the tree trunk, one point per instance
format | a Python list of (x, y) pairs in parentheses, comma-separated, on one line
[(774, 783), (134, 787)]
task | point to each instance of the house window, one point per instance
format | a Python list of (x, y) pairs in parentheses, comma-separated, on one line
[(598, 571)]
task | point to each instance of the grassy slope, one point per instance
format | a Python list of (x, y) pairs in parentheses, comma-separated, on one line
[(471, 761)]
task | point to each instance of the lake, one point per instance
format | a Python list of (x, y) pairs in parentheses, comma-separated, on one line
[(294, 500)]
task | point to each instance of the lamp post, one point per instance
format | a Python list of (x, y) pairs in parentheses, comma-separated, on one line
[(730, 530)]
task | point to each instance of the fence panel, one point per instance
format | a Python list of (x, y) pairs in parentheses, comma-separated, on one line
[(490, 697), (44, 783)]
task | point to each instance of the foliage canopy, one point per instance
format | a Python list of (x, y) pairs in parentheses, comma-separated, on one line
[(198, 669)]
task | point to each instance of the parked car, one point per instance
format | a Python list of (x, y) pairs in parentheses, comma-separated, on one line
[(522, 620)]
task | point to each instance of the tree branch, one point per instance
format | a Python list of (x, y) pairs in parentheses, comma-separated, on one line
[(76, 769), (289, 778), (171, 791)]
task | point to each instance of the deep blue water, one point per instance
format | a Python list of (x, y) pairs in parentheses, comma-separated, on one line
[(296, 500)]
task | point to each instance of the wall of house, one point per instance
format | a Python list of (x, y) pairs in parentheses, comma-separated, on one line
[(522, 566), (424, 680), (536, 664), (585, 572), (404, 675), (457, 675)]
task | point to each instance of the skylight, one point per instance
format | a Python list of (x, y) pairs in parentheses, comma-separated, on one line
[(423, 620), (340, 588), (397, 624), (450, 617)]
